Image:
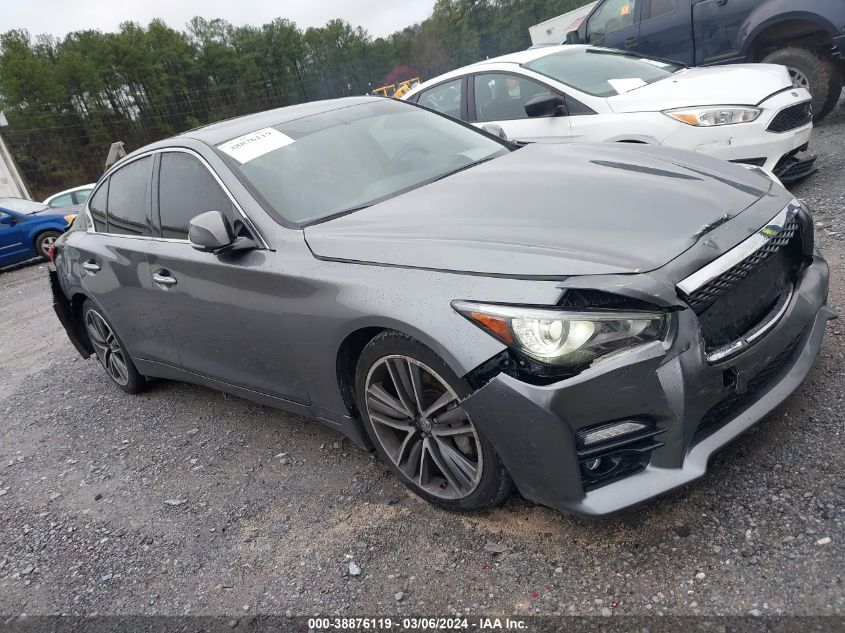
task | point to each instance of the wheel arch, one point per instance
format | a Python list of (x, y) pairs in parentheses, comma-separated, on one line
[(348, 353), (37, 232), (77, 301), (796, 28), (355, 340)]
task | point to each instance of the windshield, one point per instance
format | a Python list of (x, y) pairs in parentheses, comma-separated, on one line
[(320, 166), (22, 206), (602, 72)]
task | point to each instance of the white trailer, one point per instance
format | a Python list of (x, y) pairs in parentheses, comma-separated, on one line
[(554, 31), (11, 183)]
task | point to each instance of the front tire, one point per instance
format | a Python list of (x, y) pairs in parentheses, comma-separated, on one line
[(44, 241), (817, 74), (410, 402), (110, 350)]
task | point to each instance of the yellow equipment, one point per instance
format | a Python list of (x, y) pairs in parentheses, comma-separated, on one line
[(397, 90)]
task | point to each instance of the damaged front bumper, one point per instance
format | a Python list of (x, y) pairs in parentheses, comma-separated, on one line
[(696, 406)]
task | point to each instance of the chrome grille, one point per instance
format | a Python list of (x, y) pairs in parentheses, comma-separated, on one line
[(704, 297), (734, 295)]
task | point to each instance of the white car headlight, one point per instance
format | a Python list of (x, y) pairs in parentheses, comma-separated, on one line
[(564, 337), (712, 116)]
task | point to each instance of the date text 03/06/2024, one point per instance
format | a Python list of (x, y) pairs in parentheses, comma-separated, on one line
[(416, 624)]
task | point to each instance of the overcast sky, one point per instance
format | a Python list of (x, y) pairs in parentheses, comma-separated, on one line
[(59, 17)]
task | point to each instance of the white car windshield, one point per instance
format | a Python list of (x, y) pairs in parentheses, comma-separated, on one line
[(602, 72), (316, 167), (22, 206)]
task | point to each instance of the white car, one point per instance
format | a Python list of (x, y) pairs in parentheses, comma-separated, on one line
[(745, 113), (70, 197)]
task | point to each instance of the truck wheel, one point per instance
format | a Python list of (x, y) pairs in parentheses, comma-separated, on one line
[(816, 74)]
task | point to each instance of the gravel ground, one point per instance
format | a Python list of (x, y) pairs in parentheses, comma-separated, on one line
[(186, 501)]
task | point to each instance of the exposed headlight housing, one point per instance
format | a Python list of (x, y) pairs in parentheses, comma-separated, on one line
[(564, 338), (70, 217), (713, 116)]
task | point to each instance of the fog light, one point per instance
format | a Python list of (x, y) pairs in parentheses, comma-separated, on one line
[(609, 432)]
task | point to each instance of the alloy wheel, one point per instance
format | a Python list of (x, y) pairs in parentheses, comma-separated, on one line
[(107, 347), (799, 79), (46, 243), (423, 429)]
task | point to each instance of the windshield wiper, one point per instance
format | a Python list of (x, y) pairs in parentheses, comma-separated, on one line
[(465, 167)]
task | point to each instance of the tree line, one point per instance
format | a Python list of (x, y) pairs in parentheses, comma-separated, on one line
[(67, 100)]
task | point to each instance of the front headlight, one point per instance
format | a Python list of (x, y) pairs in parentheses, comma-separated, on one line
[(564, 337), (712, 116)]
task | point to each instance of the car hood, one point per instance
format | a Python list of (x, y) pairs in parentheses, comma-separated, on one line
[(550, 211), (740, 84)]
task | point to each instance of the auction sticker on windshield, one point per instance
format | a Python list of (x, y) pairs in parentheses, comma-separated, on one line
[(250, 146)]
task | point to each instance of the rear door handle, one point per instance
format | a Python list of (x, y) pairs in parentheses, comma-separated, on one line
[(91, 266), (163, 278), (631, 42)]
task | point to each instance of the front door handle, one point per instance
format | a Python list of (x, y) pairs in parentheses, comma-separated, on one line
[(91, 266), (164, 278), (631, 42)]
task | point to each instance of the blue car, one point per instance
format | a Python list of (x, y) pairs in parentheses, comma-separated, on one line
[(28, 229)]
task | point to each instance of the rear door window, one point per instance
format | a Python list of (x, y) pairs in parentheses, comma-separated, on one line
[(186, 188), (81, 195), (129, 199), (502, 97), (97, 207), (65, 200), (656, 8), (445, 98)]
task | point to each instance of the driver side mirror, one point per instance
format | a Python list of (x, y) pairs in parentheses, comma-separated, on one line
[(210, 232), (546, 105), (8, 219), (573, 37)]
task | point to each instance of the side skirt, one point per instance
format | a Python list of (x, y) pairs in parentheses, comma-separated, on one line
[(343, 424)]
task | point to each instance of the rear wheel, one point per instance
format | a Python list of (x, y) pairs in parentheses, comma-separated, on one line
[(110, 351), (817, 74), (44, 241), (410, 401)]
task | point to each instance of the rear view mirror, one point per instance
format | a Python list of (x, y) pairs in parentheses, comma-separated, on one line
[(573, 37), (545, 105), (8, 219)]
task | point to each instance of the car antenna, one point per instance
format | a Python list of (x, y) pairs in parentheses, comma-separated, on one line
[(116, 152)]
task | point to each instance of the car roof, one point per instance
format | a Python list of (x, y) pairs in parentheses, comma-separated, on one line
[(518, 58), (216, 133)]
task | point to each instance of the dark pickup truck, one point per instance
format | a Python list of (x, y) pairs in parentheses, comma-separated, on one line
[(806, 36)]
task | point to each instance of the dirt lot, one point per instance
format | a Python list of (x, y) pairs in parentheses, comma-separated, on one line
[(185, 501)]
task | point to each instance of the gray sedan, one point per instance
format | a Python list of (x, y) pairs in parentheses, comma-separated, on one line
[(587, 323)]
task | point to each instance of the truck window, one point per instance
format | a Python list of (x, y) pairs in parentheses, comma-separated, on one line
[(611, 16), (656, 8)]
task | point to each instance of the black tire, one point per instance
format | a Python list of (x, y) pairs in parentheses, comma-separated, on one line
[(110, 350), (43, 242), (490, 487), (822, 77)]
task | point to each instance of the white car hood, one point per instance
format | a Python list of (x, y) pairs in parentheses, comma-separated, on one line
[(739, 84)]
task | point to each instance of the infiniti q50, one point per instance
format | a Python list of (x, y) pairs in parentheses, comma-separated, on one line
[(585, 323)]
